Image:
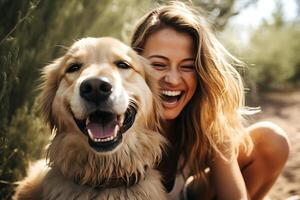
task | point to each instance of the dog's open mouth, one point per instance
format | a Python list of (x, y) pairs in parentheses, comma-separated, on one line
[(105, 129), (102, 126)]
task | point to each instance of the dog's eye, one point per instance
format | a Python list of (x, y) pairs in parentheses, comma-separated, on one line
[(73, 67), (122, 64)]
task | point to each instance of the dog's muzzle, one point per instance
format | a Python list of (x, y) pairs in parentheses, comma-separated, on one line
[(104, 129)]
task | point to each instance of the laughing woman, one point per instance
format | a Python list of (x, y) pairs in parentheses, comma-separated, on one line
[(211, 154)]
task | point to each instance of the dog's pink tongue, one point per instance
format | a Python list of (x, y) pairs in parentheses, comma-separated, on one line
[(101, 131)]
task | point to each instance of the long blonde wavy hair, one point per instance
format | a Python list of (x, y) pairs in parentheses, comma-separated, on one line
[(211, 123)]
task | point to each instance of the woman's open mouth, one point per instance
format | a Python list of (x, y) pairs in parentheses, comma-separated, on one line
[(171, 98), (105, 129)]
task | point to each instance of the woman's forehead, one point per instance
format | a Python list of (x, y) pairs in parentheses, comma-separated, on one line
[(169, 42)]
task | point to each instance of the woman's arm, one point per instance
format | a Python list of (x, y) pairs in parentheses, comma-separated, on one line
[(227, 179)]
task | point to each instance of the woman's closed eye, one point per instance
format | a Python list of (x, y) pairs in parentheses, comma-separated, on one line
[(158, 66), (188, 68)]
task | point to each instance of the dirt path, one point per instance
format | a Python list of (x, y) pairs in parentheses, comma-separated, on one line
[(284, 110)]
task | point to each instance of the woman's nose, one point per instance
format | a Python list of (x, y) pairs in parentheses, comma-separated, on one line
[(173, 77)]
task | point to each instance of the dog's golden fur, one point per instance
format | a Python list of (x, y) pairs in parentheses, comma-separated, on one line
[(74, 169)]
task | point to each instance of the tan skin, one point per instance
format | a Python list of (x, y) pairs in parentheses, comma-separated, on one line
[(248, 176)]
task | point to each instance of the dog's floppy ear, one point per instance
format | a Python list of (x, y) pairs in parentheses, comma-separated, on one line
[(48, 87), (156, 116)]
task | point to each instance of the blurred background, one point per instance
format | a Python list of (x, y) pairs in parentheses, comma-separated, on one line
[(265, 34)]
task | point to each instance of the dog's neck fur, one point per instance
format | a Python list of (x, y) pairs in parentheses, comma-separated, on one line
[(126, 164), (115, 182)]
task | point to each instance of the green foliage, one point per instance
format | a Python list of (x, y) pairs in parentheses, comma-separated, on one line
[(274, 52), (11, 159), (271, 54), (18, 14), (8, 79), (23, 141), (275, 55)]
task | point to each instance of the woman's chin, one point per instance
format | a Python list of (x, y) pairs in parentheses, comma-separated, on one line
[(171, 114)]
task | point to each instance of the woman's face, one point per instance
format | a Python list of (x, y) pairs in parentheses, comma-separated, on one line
[(171, 55)]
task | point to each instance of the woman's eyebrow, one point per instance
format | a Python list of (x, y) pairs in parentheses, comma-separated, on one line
[(189, 59), (158, 56)]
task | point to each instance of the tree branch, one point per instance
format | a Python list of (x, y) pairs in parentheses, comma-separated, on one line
[(31, 9)]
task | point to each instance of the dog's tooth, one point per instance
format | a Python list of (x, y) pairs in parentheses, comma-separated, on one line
[(87, 121), (103, 139), (115, 132), (90, 134)]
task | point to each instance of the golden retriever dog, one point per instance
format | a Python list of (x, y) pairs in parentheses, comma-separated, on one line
[(102, 104)]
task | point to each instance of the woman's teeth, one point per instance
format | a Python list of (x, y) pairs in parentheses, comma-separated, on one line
[(170, 98), (171, 93)]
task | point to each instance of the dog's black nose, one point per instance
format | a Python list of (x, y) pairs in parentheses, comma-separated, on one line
[(95, 89)]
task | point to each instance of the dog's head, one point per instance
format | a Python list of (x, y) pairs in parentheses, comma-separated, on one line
[(102, 101)]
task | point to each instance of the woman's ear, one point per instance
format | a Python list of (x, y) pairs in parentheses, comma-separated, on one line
[(50, 81)]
